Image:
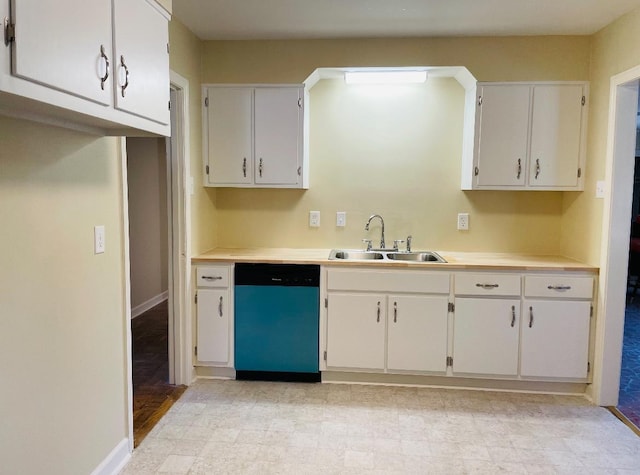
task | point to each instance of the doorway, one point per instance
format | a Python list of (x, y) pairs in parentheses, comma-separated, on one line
[(617, 210), (629, 395), (162, 231)]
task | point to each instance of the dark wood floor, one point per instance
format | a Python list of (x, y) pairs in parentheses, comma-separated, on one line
[(152, 393)]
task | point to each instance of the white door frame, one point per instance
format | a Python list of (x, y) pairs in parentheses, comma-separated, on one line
[(616, 224), (181, 224)]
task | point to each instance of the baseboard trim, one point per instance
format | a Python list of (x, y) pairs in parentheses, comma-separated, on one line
[(152, 302), (115, 461)]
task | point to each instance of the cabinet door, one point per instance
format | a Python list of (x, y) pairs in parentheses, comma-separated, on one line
[(555, 135), (141, 61), (229, 129), (502, 128), (417, 336), (60, 46), (213, 325), (485, 336), (555, 339), (278, 135), (356, 331)]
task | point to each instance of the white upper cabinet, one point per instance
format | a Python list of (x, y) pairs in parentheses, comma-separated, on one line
[(253, 136), (502, 139), (228, 114), (278, 135), (48, 51), (141, 60), (529, 136), (62, 62), (556, 127)]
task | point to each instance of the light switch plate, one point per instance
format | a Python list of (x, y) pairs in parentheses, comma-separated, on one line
[(314, 219), (600, 189), (98, 240), (341, 219)]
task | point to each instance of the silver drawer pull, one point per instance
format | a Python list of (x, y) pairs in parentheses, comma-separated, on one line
[(559, 287), (513, 315), (530, 317), (395, 312), (220, 307), (212, 277), (488, 286), (378, 313)]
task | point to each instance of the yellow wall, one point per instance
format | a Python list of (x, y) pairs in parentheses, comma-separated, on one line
[(185, 59), (615, 49), (63, 400), (424, 202)]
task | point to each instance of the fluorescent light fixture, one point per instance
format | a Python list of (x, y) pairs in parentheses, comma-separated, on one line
[(385, 77)]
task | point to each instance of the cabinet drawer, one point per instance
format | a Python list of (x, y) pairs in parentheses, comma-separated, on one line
[(388, 281), (487, 284), (558, 286), (212, 276)]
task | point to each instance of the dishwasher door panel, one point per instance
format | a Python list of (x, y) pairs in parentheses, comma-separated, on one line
[(276, 328)]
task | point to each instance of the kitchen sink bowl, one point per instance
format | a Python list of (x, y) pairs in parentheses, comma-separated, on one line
[(423, 256), (384, 255), (338, 254)]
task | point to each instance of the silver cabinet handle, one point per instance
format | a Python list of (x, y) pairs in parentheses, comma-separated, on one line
[(395, 312), (260, 168), (519, 169), (513, 316), (488, 286), (212, 277), (530, 317), (104, 56), (220, 307), (126, 75), (559, 287), (537, 168), (244, 167), (378, 320)]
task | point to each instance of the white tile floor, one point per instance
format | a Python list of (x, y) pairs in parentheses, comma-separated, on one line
[(263, 428)]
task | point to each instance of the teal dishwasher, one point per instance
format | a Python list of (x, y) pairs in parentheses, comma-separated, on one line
[(277, 318)]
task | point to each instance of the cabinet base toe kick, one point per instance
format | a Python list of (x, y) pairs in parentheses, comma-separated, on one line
[(444, 382)]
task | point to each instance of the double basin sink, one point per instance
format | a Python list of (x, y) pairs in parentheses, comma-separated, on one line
[(384, 255)]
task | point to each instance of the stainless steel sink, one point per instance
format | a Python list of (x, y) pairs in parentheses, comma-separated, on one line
[(355, 255), (424, 256), (384, 255)]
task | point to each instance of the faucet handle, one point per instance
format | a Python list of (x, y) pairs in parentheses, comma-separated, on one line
[(396, 244), (368, 243), (409, 238)]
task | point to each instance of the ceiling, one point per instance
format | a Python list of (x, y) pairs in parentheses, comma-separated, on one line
[(289, 19)]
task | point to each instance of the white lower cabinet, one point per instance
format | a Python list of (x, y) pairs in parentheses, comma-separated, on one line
[(391, 329), (356, 331), (486, 333), (555, 339), (213, 325), (486, 330), (214, 307), (417, 333)]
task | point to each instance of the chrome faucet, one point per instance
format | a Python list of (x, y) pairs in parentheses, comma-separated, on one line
[(409, 238), (366, 228)]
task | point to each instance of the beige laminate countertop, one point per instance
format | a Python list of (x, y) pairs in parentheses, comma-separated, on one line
[(455, 260)]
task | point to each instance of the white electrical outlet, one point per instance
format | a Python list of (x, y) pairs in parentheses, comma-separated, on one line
[(98, 239), (314, 219), (341, 219), (463, 221)]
